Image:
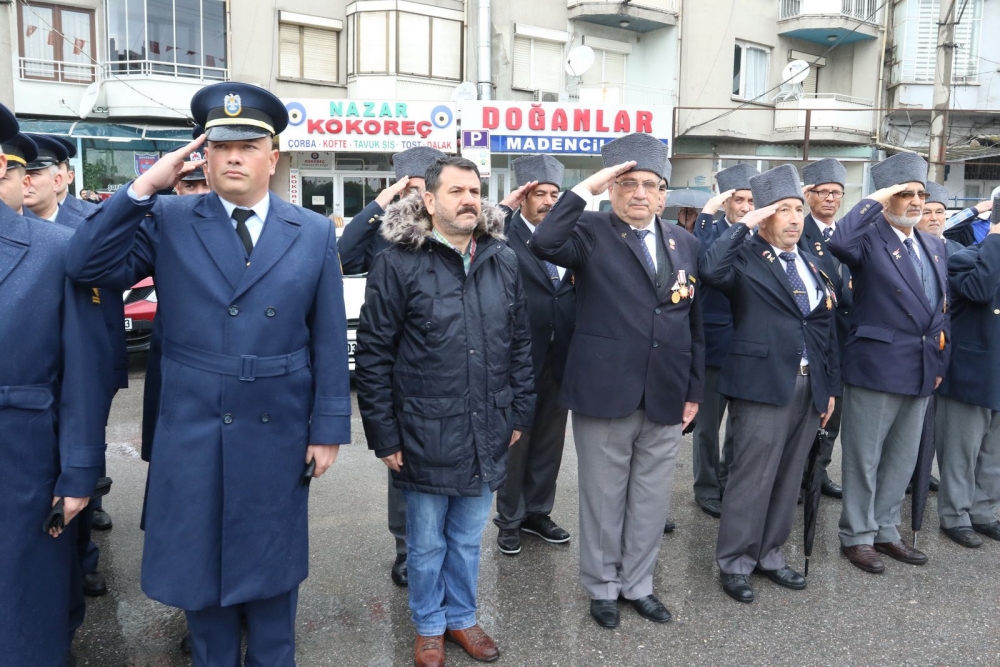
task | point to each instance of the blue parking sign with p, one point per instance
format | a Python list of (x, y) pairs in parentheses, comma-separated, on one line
[(475, 139)]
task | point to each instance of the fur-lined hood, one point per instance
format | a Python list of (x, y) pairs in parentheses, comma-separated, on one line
[(407, 222)]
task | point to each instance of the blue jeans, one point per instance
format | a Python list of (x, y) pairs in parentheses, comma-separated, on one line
[(443, 539)]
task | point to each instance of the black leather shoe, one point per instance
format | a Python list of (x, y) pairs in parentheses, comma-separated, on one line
[(605, 612), (651, 608), (963, 535), (398, 573), (786, 577), (186, 644), (94, 585), (935, 483), (545, 528), (669, 527), (990, 530), (737, 586), (831, 489), (102, 520), (711, 507), (509, 541)]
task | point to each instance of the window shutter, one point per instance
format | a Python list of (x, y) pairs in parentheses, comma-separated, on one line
[(373, 56), (522, 63), (547, 66), (446, 60), (809, 86), (595, 75), (614, 68), (289, 62), (322, 54), (414, 52)]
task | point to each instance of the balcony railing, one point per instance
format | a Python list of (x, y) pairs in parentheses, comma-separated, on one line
[(55, 70), (827, 111), (145, 68), (862, 10), (617, 93)]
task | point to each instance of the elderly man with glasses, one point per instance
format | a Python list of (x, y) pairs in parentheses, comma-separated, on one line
[(894, 358)]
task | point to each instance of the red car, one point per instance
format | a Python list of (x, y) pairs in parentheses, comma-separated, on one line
[(140, 309)]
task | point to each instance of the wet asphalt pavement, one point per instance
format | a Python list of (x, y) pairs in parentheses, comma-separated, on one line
[(350, 613)]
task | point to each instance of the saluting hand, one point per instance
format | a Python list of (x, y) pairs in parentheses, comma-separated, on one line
[(756, 216), (325, 456), (603, 179), (516, 198), (825, 417), (717, 202), (885, 194), (985, 206), (385, 197), (167, 171)]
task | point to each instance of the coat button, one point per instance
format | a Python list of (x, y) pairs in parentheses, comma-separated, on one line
[(997, 311), (227, 418), (551, 324), (656, 343), (270, 312), (475, 414), (923, 338), (264, 418), (234, 311), (657, 311), (472, 351)]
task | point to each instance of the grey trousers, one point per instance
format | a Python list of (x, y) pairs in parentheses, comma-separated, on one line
[(533, 461), (708, 468), (880, 439), (770, 447), (397, 516), (967, 439), (626, 474)]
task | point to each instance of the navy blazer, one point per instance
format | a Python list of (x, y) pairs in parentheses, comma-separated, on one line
[(769, 330), (630, 347), (894, 343), (360, 241), (974, 370), (77, 205), (715, 310), (551, 307), (812, 242), (231, 444)]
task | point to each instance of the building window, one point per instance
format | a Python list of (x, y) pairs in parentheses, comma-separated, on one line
[(308, 52), (372, 55), (181, 38), (538, 64), (750, 64), (915, 38), (607, 71), (56, 43), (439, 56)]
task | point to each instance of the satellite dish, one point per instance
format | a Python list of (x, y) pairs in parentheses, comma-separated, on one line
[(579, 60), (464, 91), (792, 77), (89, 99)]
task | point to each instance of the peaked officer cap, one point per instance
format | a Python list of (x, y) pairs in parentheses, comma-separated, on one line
[(8, 124), (50, 152), (776, 184), (67, 143), (541, 168), (20, 150), (414, 162), (827, 170), (899, 168), (937, 194), (231, 111), (736, 177), (649, 153)]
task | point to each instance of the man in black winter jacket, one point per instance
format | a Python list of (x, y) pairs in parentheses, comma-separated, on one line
[(445, 387)]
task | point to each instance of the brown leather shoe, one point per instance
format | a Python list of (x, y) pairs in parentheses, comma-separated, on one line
[(475, 642), (429, 651), (901, 552), (864, 557)]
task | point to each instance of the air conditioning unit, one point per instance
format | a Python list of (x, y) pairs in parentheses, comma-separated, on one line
[(546, 96)]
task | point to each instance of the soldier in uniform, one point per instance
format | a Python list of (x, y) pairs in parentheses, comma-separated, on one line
[(52, 421), (20, 150), (525, 501), (75, 204), (711, 469), (255, 398)]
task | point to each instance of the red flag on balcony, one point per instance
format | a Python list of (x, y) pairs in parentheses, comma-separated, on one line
[(53, 38), (31, 30), (154, 47), (78, 45)]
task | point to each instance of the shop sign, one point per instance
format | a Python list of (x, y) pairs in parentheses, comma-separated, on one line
[(558, 128), (476, 147), (316, 160), (143, 161), (368, 126), (294, 187)]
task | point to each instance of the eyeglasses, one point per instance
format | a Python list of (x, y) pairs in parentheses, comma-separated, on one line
[(662, 188), (823, 194), (629, 185), (909, 194)]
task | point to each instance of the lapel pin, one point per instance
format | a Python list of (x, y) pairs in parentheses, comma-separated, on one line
[(673, 246), (895, 254), (767, 254), (936, 259), (624, 235)]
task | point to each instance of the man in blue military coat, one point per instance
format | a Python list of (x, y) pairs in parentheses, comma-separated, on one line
[(710, 470), (255, 384), (19, 150), (52, 426), (74, 204), (968, 412), (894, 357)]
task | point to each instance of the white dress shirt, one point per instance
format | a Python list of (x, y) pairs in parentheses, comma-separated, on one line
[(531, 228), (255, 223), (903, 237)]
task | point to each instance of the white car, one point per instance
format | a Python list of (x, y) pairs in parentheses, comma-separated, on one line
[(354, 296)]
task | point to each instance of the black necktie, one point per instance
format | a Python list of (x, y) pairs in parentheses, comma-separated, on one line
[(241, 215)]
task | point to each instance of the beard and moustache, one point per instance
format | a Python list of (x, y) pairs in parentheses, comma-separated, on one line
[(902, 220), (452, 224)]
